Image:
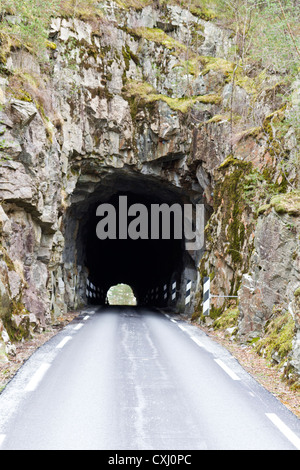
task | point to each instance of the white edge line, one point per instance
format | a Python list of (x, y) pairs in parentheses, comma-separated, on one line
[(78, 326), (197, 341), (286, 431), (86, 317), (63, 342), (227, 369), (172, 320), (37, 377), (182, 327)]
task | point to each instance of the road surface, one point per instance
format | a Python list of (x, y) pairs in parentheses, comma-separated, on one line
[(130, 378)]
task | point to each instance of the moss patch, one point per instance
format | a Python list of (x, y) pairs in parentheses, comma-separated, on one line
[(159, 36), (229, 195), (202, 12), (135, 4), (140, 93), (228, 319), (218, 65), (277, 339), (17, 330), (288, 203), (297, 292), (82, 9), (191, 66)]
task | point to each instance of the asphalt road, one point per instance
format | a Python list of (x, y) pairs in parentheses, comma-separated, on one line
[(131, 378)]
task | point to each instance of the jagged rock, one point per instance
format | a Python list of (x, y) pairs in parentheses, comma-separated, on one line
[(23, 112), (10, 349), (15, 184), (274, 260)]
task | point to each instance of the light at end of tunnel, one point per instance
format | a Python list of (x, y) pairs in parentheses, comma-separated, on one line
[(121, 294)]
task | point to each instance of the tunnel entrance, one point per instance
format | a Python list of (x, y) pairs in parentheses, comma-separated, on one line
[(156, 268), (121, 294)]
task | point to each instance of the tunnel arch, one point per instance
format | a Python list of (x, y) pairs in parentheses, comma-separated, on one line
[(156, 269)]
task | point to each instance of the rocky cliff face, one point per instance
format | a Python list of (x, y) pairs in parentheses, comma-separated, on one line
[(148, 94)]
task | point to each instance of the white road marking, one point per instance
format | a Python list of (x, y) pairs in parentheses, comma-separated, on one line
[(77, 327), (37, 377), (286, 431), (227, 369), (63, 342), (182, 327), (172, 319), (197, 341), (2, 437), (86, 317)]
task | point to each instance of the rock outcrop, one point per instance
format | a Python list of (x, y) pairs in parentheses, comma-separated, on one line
[(150, 92)]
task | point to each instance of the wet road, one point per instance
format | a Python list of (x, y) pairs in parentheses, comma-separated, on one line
[(132, 378)]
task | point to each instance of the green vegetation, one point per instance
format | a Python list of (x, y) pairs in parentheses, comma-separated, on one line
[(136, 4), (16, 321), (297, 292), (158, 36), (228, 319), (141, 93), (264, 30), (287, 203), (277, 339), (229, 194), (216, 63), (25, 23)]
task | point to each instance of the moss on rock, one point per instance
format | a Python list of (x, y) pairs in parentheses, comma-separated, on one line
[(17, 322), (228, 319), (288, 203), (276, 343), (140, 93), (159, 36), (228, 231)]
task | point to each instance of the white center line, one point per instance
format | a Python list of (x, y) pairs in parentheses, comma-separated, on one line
[(227, 369), (286, 431), (63, 342), (37, 377)]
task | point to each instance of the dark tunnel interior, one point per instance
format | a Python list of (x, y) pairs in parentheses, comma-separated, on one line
[(141, 263)]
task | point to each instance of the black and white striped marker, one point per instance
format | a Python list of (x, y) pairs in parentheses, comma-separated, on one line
[(206, 296), (165, 291), (174, 290), (188, 292)]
